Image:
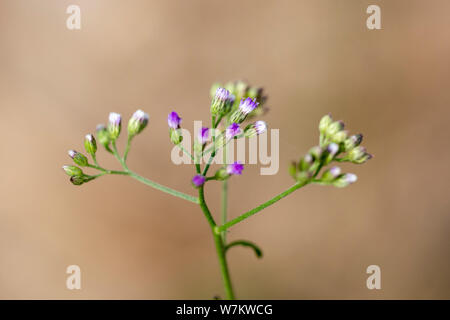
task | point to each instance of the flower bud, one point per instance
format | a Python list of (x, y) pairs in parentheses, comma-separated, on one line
[(331, 174), (358, 155), (254, 129), (90, 144), (221, 174), (175, 136), (114, 125), (73, 171), (316, 152), (353, 141), (219, 101), (303, 176), (203, 135), (103, 136), (334, 128), (325, 123), (137, 123), (344, 180), (340, 136), (235, 168), (306, 162), (174, 120), (245, 107), (77, 180), (78, 158), (198, 180)]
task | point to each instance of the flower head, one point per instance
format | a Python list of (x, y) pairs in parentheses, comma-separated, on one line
[(198, 180), (203, 135), (219, 101), (256, 128), (247, 105), (345, 179), (174, 120), (232, 130), (103, 135), (137, 122), (114, 125), (235, 168)]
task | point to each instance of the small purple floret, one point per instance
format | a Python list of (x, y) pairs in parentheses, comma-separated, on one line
[(173, 120), (198, 180), (248, 105), (232, 130), (235, 168), (203, 135)]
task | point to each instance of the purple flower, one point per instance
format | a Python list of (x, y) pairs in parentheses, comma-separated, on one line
[(114, 125), (332, 148), (248, 105), (350, 178), (173, 120), (198, 180), (335, 171), (203, 135), (232, 130), (115, 119), (235, 168)]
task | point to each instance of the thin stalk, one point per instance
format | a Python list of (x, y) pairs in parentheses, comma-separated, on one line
[(224, 200), (220, 248), (261, 206)]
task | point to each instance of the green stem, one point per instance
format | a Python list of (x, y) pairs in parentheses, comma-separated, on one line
[(127, 149), (162, 188), (220, 248), (245, 243), (224, 199), (244, 216)]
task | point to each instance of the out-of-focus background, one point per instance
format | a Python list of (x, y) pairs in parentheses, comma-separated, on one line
[(312, 57)]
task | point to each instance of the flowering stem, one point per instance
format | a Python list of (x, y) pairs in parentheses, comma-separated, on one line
[(220, 247), (224, 199), (127, 149), (244, 216)]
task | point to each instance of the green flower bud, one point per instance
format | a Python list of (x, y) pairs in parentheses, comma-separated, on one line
[(358, 155), (334, 128), (331, 174), (306, 162), (325, 123), (175, 136), (73, 171), (137, 123), (241, 88), (103, 136), (78, 158), (353, 141), (340, 136), (77, 180), (90, 144), (316, 152), (221, 174), (344, 180), (114, 125)]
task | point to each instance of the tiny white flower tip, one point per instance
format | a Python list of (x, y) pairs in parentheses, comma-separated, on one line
[(335, 171), (350, 177), (114, 117), (333, 148), (72, 153), (89, 137), (260, 127)]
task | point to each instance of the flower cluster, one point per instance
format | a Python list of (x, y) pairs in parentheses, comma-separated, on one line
[(106, 135), (335, 145)]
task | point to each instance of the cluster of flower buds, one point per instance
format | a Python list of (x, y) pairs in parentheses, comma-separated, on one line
[(335, 145), (333, 131), (233, 169), (105, 135), (238, 91)]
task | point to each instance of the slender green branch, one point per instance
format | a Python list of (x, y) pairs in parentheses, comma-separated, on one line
[(219, 246), (262, 206), (224, 200), (127, 149), (163, 188), (245, 243)]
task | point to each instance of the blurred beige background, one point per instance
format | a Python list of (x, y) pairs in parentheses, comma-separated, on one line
[(312, 57)]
